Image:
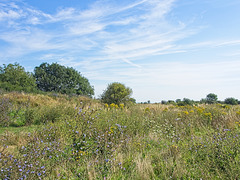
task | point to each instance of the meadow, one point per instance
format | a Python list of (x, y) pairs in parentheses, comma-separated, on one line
[(72, 137)]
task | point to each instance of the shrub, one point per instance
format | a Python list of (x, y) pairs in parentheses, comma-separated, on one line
[(13, 77), (5, 107), (117, 93), (231, 101)]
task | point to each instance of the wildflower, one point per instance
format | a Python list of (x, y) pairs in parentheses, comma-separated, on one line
[(208, 115), (112, 105), (165, 110), (185, 112), (121, 106), (118, 125)]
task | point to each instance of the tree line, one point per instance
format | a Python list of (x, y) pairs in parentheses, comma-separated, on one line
[(60, 79), (65, 80), (211, 98), (46, 77)]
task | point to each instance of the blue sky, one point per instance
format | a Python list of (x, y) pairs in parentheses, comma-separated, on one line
[(162, 49)]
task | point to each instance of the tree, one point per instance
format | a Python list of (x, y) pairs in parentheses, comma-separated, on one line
[(178, 100), (163, 102), (116, 93), (185, 102), (231, 101), (13, 77), (211, 98), (171, 102), (62, 79)]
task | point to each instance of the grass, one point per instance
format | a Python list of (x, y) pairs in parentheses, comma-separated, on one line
[(26, 129), (62, 137)]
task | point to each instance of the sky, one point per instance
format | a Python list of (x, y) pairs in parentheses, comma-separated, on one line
[(161, 49)]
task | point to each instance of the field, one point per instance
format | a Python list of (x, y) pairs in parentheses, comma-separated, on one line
[(60, 137)]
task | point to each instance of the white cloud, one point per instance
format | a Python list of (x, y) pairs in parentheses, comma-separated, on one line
[(110, 40)]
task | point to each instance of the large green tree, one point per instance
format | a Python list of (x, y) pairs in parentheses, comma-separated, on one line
[(58, 78), (231, 101), (117, 93), (211, 98), (13, 77)]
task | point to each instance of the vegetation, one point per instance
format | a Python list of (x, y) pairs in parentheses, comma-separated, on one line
[(231, 101), (61, 79), (46, 78), (63, 137), (13, 77), (211, 98), (117, 93)]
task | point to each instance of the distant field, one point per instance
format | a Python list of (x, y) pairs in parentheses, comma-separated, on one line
[(61, 137)]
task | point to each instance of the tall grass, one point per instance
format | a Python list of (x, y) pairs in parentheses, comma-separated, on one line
[(81, 139)]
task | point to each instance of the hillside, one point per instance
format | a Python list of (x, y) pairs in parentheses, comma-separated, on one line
[(61, 137)]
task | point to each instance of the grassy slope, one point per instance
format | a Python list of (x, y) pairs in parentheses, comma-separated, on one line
[(80, 139)]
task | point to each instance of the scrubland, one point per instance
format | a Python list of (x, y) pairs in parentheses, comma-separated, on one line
[(62, 137)]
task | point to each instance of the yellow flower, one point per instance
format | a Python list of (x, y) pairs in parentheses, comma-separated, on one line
[(185, 112), (208, 115), (179, 115), (199, 110), (106, 105), (147, 110), (165, 110), (121, 106), (112, 105)]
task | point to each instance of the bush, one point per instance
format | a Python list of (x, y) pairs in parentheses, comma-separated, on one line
[(5, 107), (231, 101), (117, 93), (13, 77)]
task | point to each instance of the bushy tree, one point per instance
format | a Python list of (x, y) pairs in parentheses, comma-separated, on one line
[(13, 77), (163, 102), (57, 78), (116, 93), (231, 101), (211, 98), (185, 102), (178, 100), (171, 102)]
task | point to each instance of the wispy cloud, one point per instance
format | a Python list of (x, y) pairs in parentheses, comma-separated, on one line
[(114, 31), (122, 41)]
